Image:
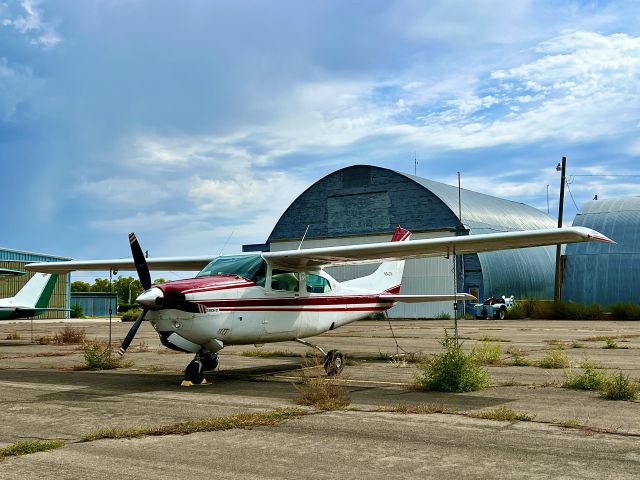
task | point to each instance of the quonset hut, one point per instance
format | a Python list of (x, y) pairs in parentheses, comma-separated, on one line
[(364, 203), (605, 273)]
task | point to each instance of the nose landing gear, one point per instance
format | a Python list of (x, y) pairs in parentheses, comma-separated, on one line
[(203, 362)]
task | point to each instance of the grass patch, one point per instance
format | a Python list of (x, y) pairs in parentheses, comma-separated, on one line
[(619, 387), (269, 353), (502, 414), (554, 342), (611, 343), (451, 371), (487, 353), (554, 358), (323, 392), (14, 336), (488, 338), (576, 344), (568, 423), (100, 356), (591, 377), (24, 447), (237, 421), (68, 335), (518, 357), (419, 408)]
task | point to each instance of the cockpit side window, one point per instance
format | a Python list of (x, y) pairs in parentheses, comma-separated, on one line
[(285, 281), (317, 284)]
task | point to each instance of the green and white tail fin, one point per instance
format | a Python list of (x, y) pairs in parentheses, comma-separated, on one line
[(37, 291), (388, 277)]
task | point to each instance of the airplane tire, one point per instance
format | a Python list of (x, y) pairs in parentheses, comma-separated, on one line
[(333, 363), (193, 373), (209, 361)]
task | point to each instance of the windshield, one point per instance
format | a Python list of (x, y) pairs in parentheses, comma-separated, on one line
[(250, 267)]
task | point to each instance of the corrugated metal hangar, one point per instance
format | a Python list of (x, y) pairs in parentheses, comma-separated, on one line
[(15, 260), (600, 272), (364, 203)]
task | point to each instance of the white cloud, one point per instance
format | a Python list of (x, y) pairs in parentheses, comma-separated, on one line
[(31, 23)]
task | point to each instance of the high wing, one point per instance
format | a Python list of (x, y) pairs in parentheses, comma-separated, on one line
[(432, 247), (160, 263), (427, 298), (315, 258)]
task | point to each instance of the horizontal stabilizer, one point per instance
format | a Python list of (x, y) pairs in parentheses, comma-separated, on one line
[(427, 298)]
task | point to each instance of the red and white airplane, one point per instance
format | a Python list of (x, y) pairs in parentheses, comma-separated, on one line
[(284, 296)]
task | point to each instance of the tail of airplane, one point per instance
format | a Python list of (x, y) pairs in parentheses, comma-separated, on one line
[(388, 276), (37, 291)]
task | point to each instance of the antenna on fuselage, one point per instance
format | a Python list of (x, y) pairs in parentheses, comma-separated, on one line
[(303, 237), (226, 242)]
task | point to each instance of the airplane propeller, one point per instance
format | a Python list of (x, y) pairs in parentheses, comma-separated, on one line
[(152, 298), (145, 279)]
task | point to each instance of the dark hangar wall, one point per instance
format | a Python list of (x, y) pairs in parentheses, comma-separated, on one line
[(363, 200)]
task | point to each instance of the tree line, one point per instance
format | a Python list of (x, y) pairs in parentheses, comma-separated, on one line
[(127, 288)]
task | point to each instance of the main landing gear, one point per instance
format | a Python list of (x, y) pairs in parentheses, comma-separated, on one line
[(203, 362), (333, 359)]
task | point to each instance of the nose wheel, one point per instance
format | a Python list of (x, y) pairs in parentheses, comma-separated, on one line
[(203, 362)]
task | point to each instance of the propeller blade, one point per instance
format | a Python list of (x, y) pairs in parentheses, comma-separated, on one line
[(132, 333), (140, 261)]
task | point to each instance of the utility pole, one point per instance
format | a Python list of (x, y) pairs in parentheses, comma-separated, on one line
[(558, 281)]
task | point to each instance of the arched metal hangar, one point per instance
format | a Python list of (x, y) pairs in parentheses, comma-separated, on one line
[(364, 203), (605, 273)]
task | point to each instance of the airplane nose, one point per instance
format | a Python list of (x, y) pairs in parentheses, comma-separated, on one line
[(149, 298)]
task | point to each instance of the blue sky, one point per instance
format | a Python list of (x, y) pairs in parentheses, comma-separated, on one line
[(186, 121)]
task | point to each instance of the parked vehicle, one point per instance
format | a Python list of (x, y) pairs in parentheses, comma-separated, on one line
[(493, 307)]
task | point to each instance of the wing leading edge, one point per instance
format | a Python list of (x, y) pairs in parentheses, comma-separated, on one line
[(161, 263), (315, 258)]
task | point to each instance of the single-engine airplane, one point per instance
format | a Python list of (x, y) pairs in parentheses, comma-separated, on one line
[(31, 300), (286, 295)]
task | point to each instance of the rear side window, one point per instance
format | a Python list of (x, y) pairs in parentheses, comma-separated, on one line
[(317, 284)]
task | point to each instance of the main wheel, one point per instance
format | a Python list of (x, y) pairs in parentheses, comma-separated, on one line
[(193, 373), (333, 362), (209, 361)]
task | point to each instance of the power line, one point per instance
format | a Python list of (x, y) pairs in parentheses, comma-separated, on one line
[(571, 195)]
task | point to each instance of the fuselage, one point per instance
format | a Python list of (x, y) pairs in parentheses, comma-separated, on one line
[(268, 306)]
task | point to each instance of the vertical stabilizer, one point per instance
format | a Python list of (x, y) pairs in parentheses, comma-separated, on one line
[(37, 291), (388, 276)]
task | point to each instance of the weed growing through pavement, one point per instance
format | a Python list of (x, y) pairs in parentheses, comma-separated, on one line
[(518, 357), (487, 353), (320, 391), (450, 371), (419, 408), (14, 336), (239, 420), (68, 335), (502, 414), (555, 358), (611, 343), (619, 387), (576, 344), (24, 447), (100, 356), (591, 377)]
